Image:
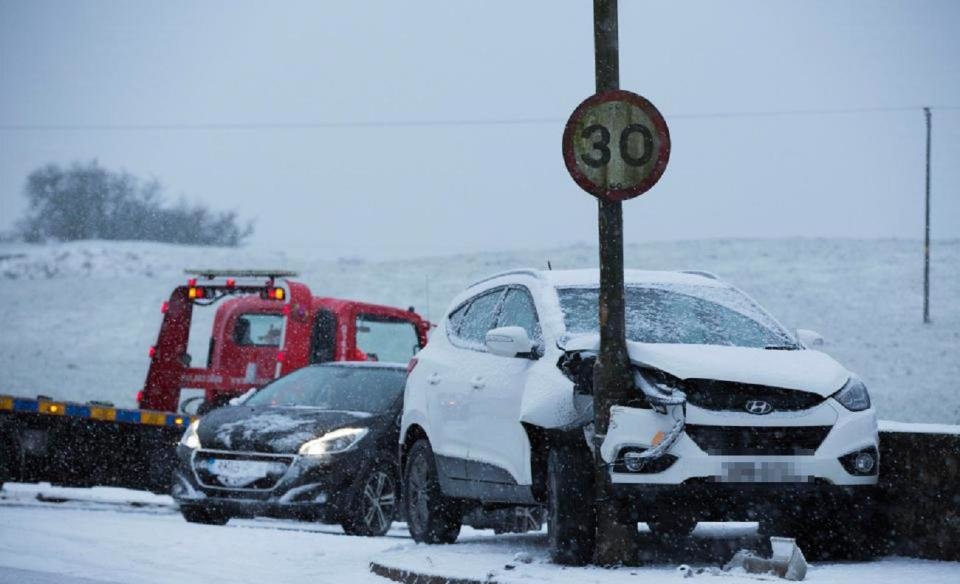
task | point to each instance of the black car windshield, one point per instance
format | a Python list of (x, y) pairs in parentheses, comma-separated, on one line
[(682, 314), (359, 389)]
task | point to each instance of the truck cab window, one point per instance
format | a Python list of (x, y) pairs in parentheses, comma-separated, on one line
[(258, 330), (388, 339)]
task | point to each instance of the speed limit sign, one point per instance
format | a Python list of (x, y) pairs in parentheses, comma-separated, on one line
[(616, 145)]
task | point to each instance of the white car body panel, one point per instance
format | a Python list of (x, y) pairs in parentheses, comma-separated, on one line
[(485, 423)]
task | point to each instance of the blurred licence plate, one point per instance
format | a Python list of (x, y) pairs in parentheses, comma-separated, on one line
[(240, 473), (761, 472)]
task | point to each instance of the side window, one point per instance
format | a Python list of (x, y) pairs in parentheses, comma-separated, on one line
[(258, 330), (518, 310), (387, 339), (453, 324), (323, 345), (480, 317)]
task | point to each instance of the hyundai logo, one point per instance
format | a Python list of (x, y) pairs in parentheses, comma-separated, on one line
[(758, 407)]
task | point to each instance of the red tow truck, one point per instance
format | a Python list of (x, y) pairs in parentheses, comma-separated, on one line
[(266, 325), (271, 328)]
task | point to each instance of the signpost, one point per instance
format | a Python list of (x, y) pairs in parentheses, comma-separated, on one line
[(616, 146)]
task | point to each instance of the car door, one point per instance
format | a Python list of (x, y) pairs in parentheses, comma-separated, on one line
[(448, 370), (500, 449)]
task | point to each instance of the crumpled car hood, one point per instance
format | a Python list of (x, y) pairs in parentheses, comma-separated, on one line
[(804, 370)]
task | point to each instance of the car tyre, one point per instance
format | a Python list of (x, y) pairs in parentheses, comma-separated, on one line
[(374, 505), (432, 517), (204, 515), (571, 515)]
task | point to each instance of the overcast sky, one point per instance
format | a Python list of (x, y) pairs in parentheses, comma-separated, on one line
[(143, 79)]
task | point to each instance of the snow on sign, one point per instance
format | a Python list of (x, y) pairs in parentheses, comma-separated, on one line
[(616, 145)]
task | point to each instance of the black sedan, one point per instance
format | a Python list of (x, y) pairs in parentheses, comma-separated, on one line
[(319, 444)]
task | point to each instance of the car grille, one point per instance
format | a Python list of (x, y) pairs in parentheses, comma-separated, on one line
[(278, 465), (715, 395), (754, 440)]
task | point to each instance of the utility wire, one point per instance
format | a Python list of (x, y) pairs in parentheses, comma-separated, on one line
[(430, 123)]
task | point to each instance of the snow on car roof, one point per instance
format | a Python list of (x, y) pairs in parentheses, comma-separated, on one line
[(591, 277), (565, 278)]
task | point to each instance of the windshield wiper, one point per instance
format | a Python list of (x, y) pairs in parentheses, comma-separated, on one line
[(782, 347)]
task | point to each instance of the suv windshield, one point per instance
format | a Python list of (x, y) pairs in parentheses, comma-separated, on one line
[(358, 389), (682, 314)]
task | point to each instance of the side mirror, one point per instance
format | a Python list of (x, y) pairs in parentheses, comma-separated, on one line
[(809, 339), (508, 341)]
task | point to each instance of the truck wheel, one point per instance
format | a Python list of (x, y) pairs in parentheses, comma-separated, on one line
[(431, 516), (571, 517), (373, 508), (196, 514), (673, 526)]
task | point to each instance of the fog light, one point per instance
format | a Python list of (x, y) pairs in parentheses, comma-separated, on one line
[(864, 462), (633, 461), (630, 459)]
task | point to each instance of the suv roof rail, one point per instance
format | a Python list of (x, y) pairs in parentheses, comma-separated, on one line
[(517, 272), (703, 273), (210, 274)]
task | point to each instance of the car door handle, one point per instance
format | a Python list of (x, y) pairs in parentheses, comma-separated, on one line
[(434, 378), (477, 382)]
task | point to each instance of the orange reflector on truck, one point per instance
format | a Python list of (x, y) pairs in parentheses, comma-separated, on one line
[(153, 418), (52, 408), (103, 414)]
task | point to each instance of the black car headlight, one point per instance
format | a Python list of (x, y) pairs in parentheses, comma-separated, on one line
[(853, 395), (333, 442)]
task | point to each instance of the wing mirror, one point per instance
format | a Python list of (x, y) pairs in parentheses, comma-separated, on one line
[(509, 341), (810, 339)]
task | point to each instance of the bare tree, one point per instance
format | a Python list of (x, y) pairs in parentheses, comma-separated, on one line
[(87, 201)]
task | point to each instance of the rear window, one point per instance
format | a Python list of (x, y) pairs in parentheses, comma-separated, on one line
[(387, 339), (258, 330), (356, 389)]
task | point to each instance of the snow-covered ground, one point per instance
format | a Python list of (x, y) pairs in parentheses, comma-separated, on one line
[(78, 318), (94, 536)]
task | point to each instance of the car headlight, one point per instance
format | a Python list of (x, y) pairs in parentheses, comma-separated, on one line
[(331, 442), (190, 438), (853, 395)]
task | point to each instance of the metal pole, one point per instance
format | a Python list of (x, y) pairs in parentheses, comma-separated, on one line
[(926, 231), (616, 535)]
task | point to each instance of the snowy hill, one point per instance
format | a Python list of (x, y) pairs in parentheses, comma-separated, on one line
[(78, 318)]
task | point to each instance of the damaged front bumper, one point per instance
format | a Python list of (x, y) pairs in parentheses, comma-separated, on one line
[(800, 448)]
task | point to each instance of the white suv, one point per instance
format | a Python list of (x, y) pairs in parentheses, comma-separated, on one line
[(733, 417)]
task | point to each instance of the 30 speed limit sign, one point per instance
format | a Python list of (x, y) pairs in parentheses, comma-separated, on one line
[(616, 145)]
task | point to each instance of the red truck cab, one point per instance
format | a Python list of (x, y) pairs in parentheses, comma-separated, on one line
[(264, 329)]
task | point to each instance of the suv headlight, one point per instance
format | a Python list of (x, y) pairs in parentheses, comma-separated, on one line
[(331, 442), (853, 395), (190, 438)]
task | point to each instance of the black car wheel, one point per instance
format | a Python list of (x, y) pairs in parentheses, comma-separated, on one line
[(431, 516), (207, 516), (375, 504), (571, 515)]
